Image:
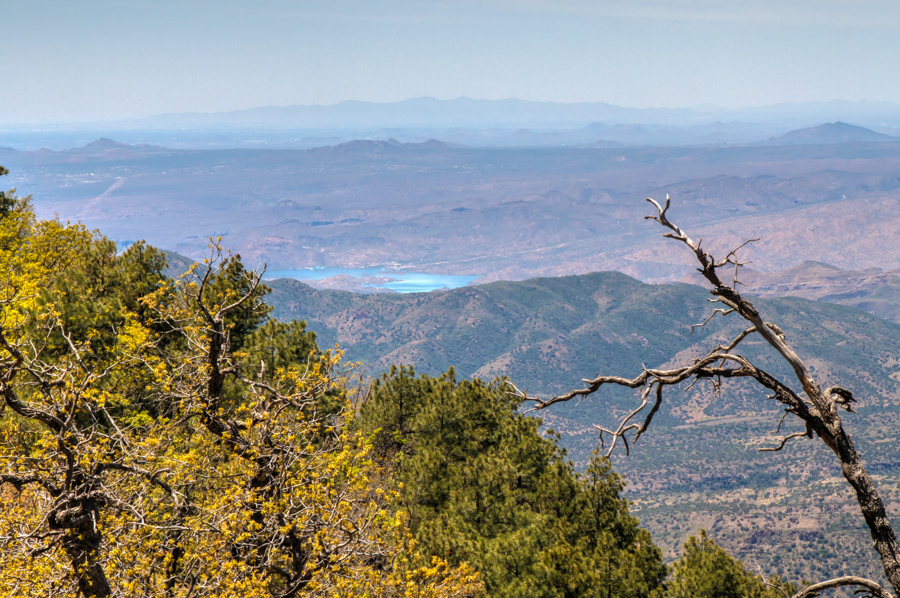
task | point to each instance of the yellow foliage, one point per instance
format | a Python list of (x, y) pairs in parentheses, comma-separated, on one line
[(142, 456)]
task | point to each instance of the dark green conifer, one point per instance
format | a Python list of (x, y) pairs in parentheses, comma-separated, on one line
[(481, 484), (707, 571), (7, 201)]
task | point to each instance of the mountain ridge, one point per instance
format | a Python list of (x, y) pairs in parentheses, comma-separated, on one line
[(551, 332), (471, 112)]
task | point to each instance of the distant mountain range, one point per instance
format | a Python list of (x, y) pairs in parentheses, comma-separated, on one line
[(465, 121), (426, 112)]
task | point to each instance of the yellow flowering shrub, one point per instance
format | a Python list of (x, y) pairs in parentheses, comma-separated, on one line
[(146, 449)]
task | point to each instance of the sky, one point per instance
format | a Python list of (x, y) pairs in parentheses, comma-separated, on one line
[(100, 60)]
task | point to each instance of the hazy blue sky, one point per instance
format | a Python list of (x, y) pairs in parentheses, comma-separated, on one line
[(99, 59)]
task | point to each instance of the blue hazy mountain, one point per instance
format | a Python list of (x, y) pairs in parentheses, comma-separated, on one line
[(464, 121), (463, 112), (829, 133), (431, 112)]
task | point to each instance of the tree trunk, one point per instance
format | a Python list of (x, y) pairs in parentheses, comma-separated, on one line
[(82, 545), (870, 504)]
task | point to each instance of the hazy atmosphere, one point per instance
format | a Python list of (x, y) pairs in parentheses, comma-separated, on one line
[(286, 285), (108, 59)]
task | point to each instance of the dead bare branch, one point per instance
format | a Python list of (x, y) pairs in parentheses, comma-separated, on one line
[(722, 312), (817, 410), (785, 439), (870, 588)]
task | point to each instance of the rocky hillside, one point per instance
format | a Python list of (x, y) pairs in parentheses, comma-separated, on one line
[(873, 290)]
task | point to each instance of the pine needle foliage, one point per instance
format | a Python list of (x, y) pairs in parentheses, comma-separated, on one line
[(482, 485), (705, 570)]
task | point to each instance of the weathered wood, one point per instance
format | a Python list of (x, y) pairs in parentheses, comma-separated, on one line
[(817, 410)]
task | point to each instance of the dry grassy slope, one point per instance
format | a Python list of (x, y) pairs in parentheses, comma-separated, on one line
[(700, 466)]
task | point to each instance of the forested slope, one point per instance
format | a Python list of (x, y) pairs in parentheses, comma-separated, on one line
[(700, 467)]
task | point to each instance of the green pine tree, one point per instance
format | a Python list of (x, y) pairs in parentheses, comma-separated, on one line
[(705, 570), (482, 485)]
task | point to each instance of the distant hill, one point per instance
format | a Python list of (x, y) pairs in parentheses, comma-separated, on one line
[(829, 133), (538, 331), (372, 146), (177, 264), (104, 149), (873, 290), (101, 145)]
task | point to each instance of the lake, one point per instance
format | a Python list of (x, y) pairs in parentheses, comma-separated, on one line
[(401, 282)]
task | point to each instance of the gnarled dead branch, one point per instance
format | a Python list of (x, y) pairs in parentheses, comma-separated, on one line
[(869, 589), (815, 408)]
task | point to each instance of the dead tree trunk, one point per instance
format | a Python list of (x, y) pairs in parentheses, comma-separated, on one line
[(83, 550), (817, 409)]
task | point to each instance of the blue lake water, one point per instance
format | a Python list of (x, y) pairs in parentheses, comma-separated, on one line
[(404, 282)]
